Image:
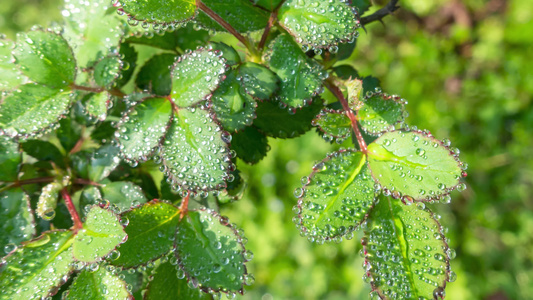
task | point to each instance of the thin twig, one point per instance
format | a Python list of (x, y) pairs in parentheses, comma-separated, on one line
[(86, 182), (72, 210), (184, 206), (86, 88), (28, 181), (349, 113), (271, 20), (388, 9)]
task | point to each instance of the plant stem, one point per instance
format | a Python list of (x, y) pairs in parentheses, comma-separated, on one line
[(271, 20), (381, 13), (86, 88), (86, 182), (208, 11), (349, 113), (27, 181), (72, 210), (184, 206)]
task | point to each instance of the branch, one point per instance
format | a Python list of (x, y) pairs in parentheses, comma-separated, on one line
[(381, 13), (72, 210)]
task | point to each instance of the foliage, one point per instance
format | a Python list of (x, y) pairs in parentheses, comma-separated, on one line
[(95, 122)]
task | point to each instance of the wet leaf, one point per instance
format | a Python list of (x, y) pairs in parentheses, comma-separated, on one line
[(361, 5), (34, 269), (195, 76), (405, 251), (104, 160), (336, 197), (10, 77), (48, 200), (142, 129), (32, 109), (250, 145), (354, 88), (235, 109), (166, 285), (267, 4), (101, 233), (279, 122), (301, 77), (346, 72), (211, 252), (10, 159), (92, 28), (319, 24), (233, 11), (129, 63), (334, 123), (195, 152), (188, 37), (123, 194), (46, 58), (159, 11), (16, 219), (413, 165), (380, 113), (258, 80), (151, 229), (228, 52), (107, 71), (98, 285), (154, 76)]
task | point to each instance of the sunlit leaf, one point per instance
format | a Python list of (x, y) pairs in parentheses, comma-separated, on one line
[(405, 251), (195, 76), (195, 152), (279, 122), (16, 219), (31, 109), (151, 229), (319, 24), (235, 109), (48, 200), (46, 58), (96, 106), (258, 81), (380, 113), (354, 88), (413, 165), (188, 37), (301, 77), (211, 252), (166, 285), (334, 123), (10, 159), (101, 233), (123, 194), (159, 11), (143, 127), (34, 269), (10, 77), (107, 70), (336, 197), (98, 285), (154, 76), (250, 145), (233, 12)]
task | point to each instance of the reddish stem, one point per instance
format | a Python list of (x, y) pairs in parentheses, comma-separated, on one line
[(349, 112), (86, 88), (184, 206), (86, 182), (72, 210), (208, 11), (271, 20)]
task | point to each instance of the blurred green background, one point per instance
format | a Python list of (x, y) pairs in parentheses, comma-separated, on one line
[(466, 68)]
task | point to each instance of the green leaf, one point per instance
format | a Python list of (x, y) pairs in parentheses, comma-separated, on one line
[(42, 150), (346, 72), (380, 113), (279, 122), (166, 285), (336, 197), (93, 28), (235, 109), (151, 229), (413, 165), (250, 145), (48, 200), (68, 133), (195, 76), (10, 159), (228, 52), (100, 234), (107, 71), (104, 160), (301, 77), (195, 152), (33, 270), (405, 251), (89, 196), (211, 252), (31, 109), (46, 58), (188, 37), (96, 106), (159, 11), (334, 123), (16, 219), (267, 4), (10, 77), (361, 5), (319, 24), (142, 129), (242, 15), (154, 76), (258, 80), (123, 194), (129, 64), (98, 285)]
